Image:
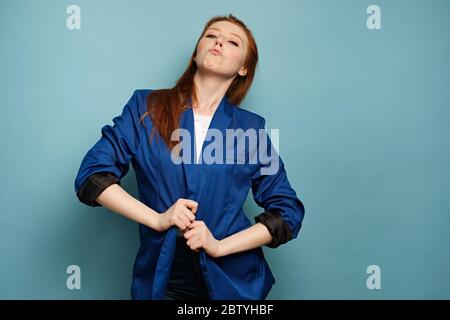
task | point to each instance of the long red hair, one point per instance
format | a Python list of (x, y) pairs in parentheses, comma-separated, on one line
[(164, 106)]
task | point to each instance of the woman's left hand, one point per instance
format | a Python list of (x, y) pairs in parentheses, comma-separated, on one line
[(198, 236)]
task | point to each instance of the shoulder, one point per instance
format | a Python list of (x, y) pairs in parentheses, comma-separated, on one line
[(137, 103), (140, 96), (141, 93), (252, 119)]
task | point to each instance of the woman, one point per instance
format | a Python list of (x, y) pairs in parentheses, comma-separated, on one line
[(195, 240)]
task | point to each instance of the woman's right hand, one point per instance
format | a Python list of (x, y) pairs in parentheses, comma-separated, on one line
[(180, 214)]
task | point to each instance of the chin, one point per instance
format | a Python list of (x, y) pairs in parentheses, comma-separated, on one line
[(210, 67)]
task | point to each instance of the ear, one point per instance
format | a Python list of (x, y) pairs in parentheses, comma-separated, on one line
[(243, 71)]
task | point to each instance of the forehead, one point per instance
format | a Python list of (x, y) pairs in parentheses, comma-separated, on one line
[(229, 27)]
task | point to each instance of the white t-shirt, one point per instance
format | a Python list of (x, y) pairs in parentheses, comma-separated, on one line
[(201, 125)]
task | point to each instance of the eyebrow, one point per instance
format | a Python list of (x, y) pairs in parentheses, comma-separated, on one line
[(234, 34)]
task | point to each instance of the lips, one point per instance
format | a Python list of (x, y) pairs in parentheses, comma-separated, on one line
[(215, 52)]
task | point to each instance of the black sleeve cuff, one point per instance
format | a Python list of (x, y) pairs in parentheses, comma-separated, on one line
[(94, 185), (280, 231)]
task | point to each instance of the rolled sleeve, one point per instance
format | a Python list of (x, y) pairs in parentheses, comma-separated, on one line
[(94, 185), (280, 231), (283, 211), (107, 162)]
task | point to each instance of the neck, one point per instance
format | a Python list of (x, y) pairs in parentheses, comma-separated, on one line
[(210, 90)]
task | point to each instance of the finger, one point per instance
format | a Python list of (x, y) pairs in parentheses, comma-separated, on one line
[(189, 233), (179, 223), (191, 204), (197, 223), (185, 221), (192, 225), (193, 247), (189, 214), (192, 243), (197, 245)]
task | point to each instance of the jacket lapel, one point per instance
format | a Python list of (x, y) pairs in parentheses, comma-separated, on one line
[(221, 121)]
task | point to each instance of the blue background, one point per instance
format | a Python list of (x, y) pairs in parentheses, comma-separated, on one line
[(364, 133)]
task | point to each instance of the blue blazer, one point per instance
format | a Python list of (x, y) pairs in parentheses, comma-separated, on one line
[(219, 189)]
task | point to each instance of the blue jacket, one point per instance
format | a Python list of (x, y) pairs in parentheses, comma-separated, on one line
[(219, 189)]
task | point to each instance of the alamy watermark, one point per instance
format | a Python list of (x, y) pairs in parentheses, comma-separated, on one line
[(373, 22), (374, 280), (73, 21), (231, 149), (73, 281)]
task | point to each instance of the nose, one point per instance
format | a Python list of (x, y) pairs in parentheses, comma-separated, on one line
[(219, 42)]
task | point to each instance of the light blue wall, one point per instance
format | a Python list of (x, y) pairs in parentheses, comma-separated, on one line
[(364, 132)]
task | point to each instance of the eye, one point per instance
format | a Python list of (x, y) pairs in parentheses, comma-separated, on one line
[(210, 36), (234, 43)]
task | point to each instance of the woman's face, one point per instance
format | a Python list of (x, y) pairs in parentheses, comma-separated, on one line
[(222, 50)]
